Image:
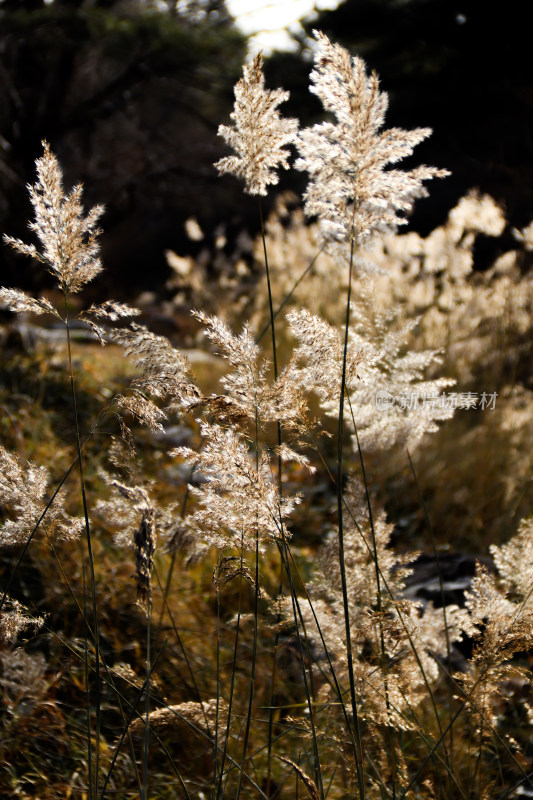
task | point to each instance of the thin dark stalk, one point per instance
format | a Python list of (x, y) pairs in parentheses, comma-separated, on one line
[(132, 714), (34, 531), (46, 508), (165, 592), (298, 616), (110, 682), (235, 764), (215, 744), (340, 435), (467, 700), (144, 788), (110, 679), (338, 690), (232, 684), (391, 595), (429, 744), (287, 566), (270, 304), (121, 699), (179, 639), (431, 753), (377, 570), (478, 772), (427, 518), (434, 754), (87, 684), (286, 299), (512, 791), (172, 563), (69, 587), (252, 672), (280, 484), (256, 614), (273, 675), (291, 728), (89, 544), (375, 559)]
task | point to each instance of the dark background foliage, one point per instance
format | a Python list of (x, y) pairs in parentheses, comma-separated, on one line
[(462, 67), (129, 99), (130, 96)]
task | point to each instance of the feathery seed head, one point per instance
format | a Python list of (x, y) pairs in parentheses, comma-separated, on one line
[(238, 502), (23, 490), (260, 134), (132, 509), (15, 618), (350, 189), (68, 238)]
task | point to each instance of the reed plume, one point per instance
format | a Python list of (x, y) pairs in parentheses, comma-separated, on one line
[(351, 189), (23, 496), (69, 246), (260, 136)]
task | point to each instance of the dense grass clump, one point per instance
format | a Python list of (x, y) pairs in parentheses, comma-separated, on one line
[(209, 580)]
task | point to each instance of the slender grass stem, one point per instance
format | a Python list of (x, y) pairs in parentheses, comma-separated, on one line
[(256, 623), (217, 714), (346, 604), (219, 788), (179, 638), (272, 695), (170, 572), (144, 788), (132, 714), (450, 755), (46, 509), (87, 688), (270, 302), (298, 620), (252, 673), (34, 531), (377, 570), (337, 688), (89, 546), (468, 699), (273, 673), (288, 296)]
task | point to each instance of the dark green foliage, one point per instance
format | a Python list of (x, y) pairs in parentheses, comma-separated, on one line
[(131, 99)]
